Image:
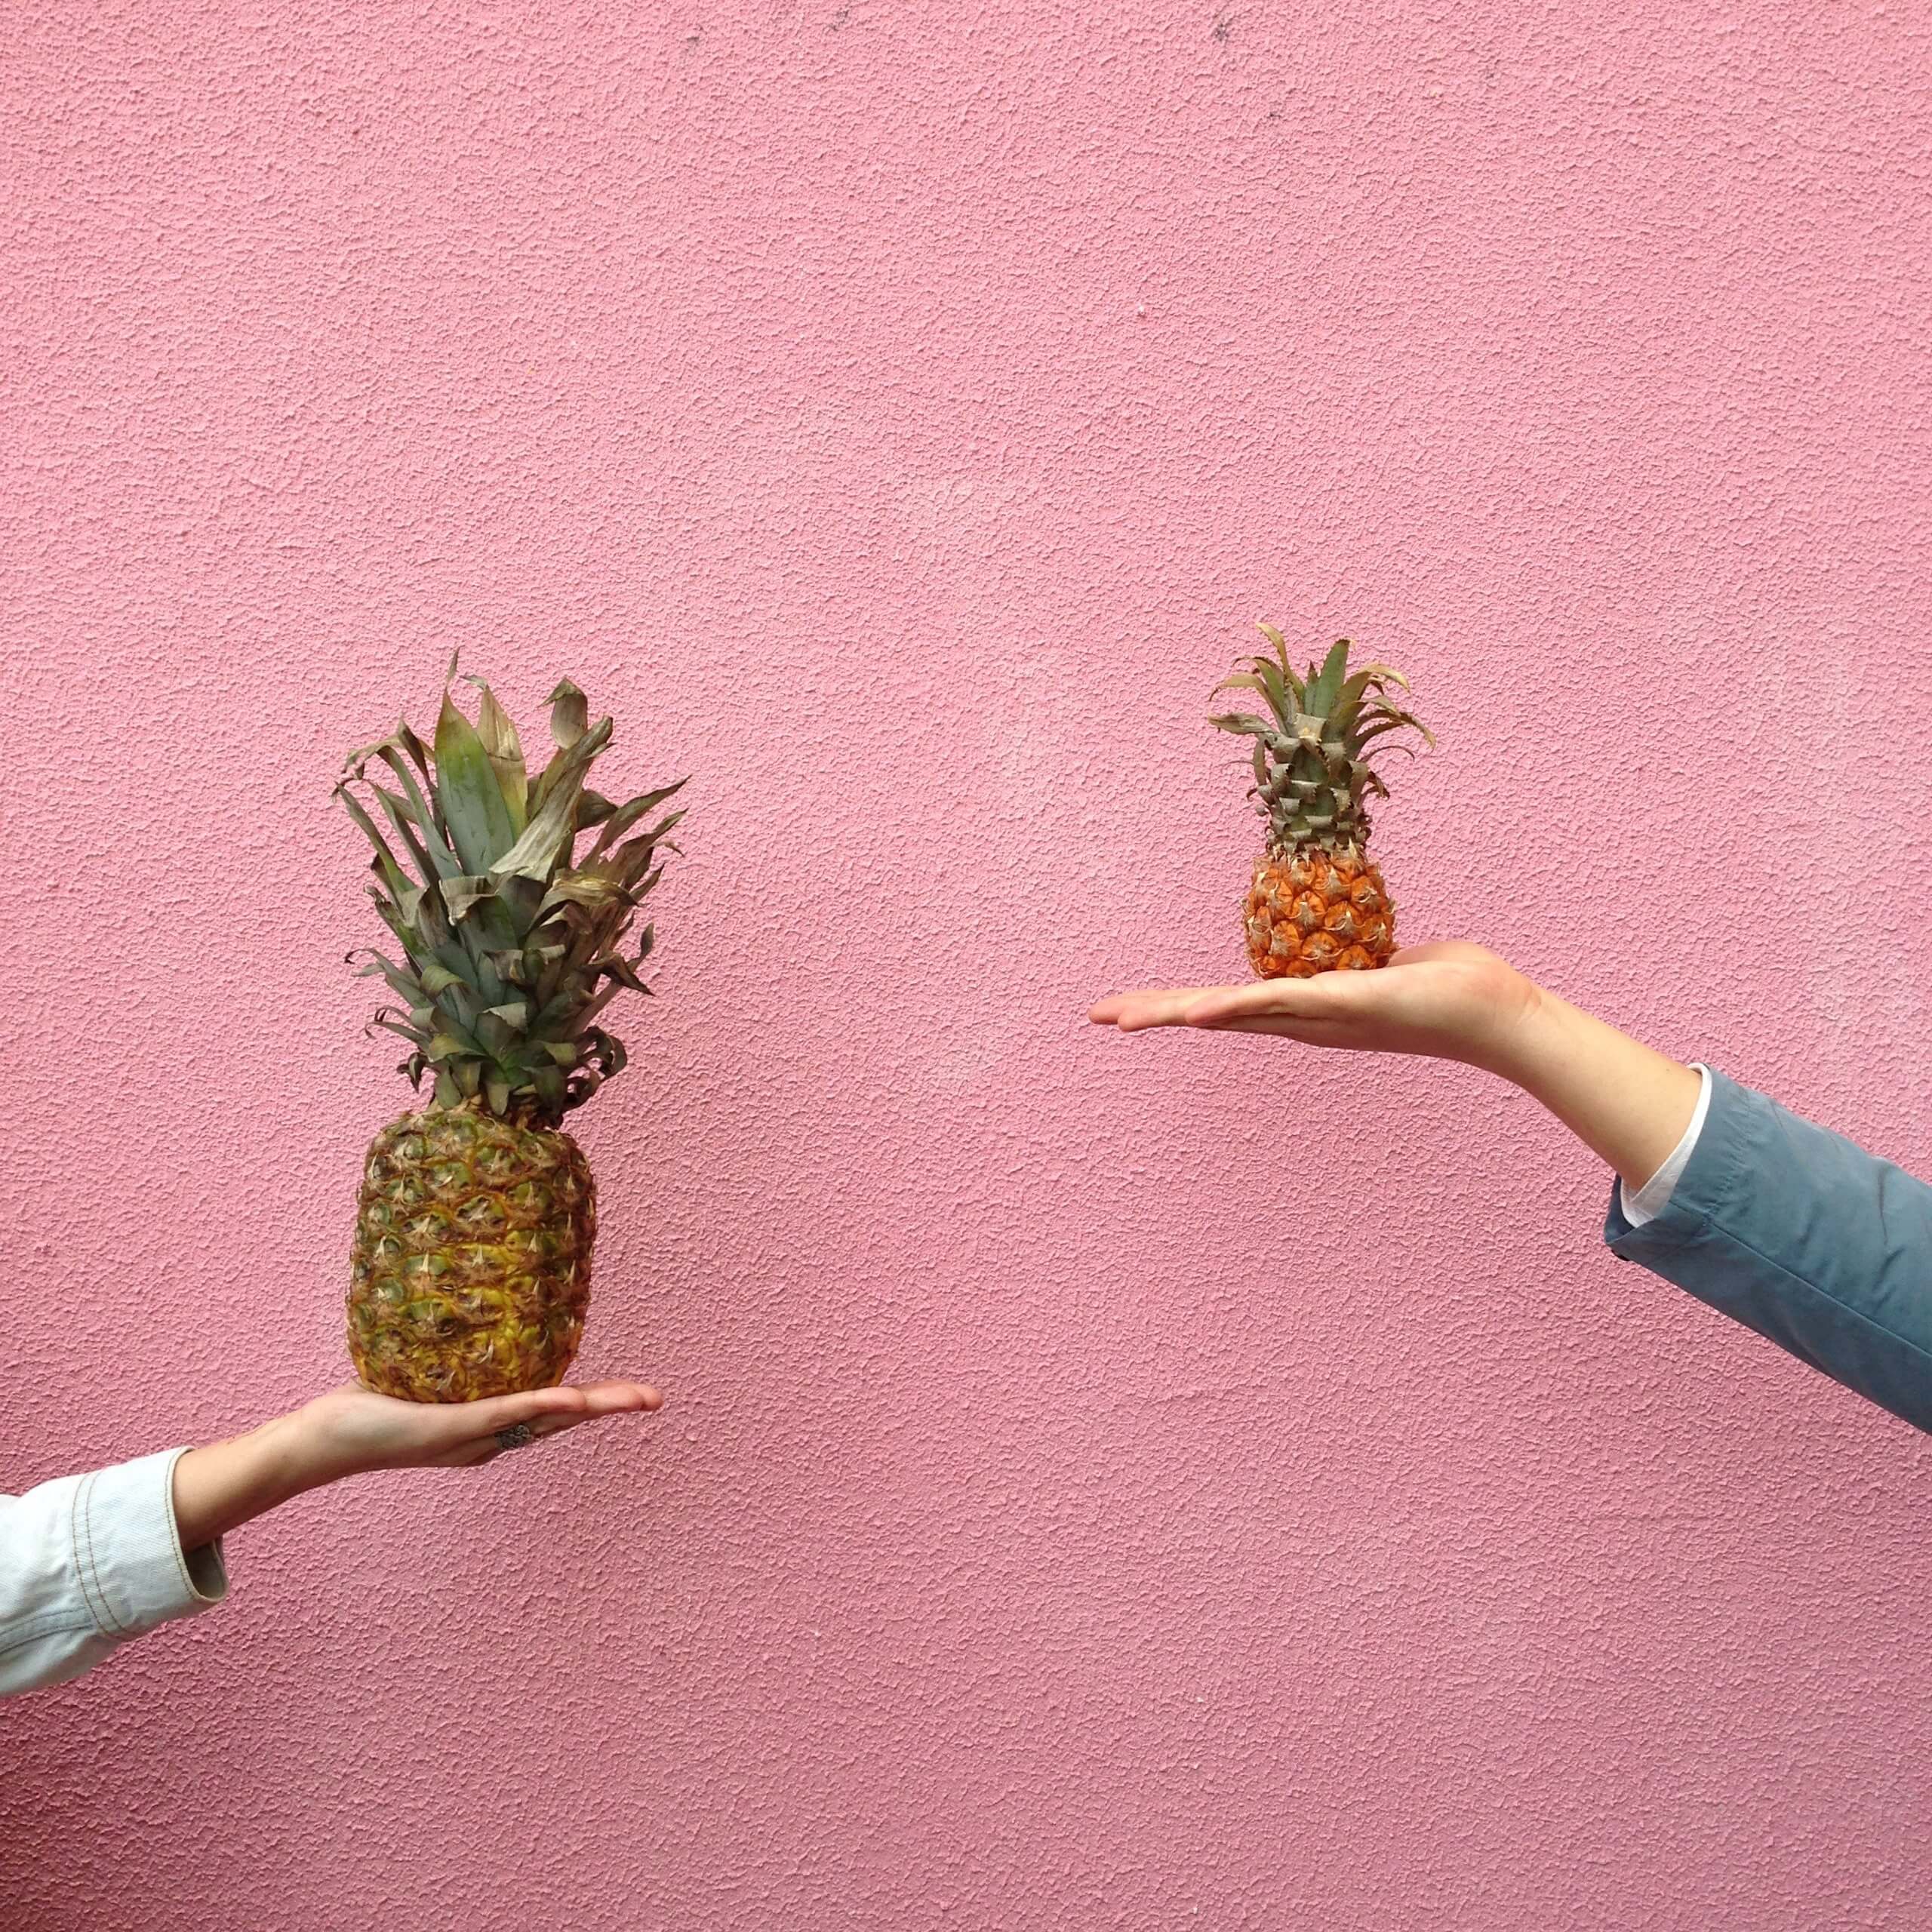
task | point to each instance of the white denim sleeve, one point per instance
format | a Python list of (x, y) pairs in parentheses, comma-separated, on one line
[(1654, 1197), (87, 1562)]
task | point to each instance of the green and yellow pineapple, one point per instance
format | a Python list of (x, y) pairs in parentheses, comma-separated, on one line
[(471, 1270), (1316, 902)]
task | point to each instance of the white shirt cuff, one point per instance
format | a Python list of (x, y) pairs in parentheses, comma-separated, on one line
[(1654, 1197)]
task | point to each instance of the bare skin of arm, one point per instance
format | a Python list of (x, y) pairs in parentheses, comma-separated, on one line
[(1628, 1103), (349, 1431)]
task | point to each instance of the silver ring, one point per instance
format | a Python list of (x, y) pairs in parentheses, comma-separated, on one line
[(518, 1436)]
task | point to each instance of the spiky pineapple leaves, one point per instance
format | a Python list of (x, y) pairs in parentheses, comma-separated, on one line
[(504, 749), (469, 796), (511, 947), (1311, 748)]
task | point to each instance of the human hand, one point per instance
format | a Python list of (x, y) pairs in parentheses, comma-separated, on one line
[(350, 1430), (1448, 1000)]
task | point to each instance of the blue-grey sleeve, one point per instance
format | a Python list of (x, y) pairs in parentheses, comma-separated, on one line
[(1794, 1231)]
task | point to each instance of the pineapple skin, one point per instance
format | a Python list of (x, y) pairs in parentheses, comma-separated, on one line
[(1312, 911), (471, 1268)]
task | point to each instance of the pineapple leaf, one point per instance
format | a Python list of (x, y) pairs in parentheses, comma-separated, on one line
[(471, 800), (509, 951), (582, 887), (1275, 686), (428, 822), (631, 857), (1326, 684), (462, 893), (620, 969), (1281, 644), (547, 840), (434, 859), (570, 714), (1392, 719), (393, 875), (1370, 677), (400, 980), (626, 815), (504, 750), (1251, 681), (412, 746), (384, 1016)]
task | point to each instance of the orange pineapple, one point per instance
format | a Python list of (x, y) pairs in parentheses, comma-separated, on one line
[(1316, 902)]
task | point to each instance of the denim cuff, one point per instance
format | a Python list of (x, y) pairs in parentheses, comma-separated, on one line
[(133, 1573)]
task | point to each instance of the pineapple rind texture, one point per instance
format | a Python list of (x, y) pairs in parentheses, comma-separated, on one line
[(471, 1270), (1312, 913)]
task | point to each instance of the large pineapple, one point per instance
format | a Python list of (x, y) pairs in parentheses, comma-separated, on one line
[(1316, 902), (471, 1262)]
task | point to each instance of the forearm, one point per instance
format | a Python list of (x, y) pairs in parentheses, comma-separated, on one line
[(225, 1485), (1625, 1101)]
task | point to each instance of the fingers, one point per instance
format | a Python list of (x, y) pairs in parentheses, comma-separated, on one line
[(567, 1403), (1326, 997), (601, 1399), (543, 1412), (604, 1399), (1107, 1012), (1150, 1006)]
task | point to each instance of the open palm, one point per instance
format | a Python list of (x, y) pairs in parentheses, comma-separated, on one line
[(1448, 999), (356, 1430)]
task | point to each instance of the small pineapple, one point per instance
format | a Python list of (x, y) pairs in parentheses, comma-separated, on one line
[(471, 1267), (1316, 902)]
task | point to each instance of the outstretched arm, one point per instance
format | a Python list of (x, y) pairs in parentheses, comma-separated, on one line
[(88, 1562), (1792, 1230)]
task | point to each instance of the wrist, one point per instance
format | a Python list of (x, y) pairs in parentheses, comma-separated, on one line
[(1626, 1102), (1505, 1024), (223, 1484), (309, 1448), (1531, 1040)]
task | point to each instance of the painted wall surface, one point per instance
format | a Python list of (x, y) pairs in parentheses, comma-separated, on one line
[(1105, 1483)]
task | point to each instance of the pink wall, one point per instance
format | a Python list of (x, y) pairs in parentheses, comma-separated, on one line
[(1105, 1483)]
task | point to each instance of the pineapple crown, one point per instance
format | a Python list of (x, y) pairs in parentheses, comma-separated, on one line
[(511, 943), (1312, 774)]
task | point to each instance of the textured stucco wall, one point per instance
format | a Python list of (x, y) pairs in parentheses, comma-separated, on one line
[(1105, 1483)]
